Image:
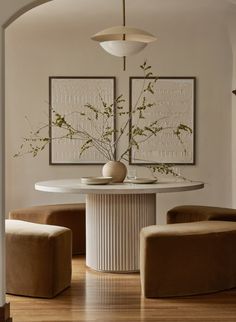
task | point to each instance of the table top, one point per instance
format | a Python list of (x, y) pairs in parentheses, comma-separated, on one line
[(75, 186)]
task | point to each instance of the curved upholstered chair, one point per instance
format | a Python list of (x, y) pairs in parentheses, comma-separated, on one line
[(188, 258), (193, 255), (192, 213)]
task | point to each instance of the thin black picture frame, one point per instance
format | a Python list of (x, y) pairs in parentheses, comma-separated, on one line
[(51, 78), (194, 79)]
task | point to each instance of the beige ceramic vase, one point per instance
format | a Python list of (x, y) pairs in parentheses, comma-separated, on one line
[(115, 169)]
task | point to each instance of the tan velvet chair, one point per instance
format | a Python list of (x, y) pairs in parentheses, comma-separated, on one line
[(71, 216), (187, 259), (38, 259), (192, 213)]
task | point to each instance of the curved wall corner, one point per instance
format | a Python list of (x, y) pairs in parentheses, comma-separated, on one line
[(9, 11)]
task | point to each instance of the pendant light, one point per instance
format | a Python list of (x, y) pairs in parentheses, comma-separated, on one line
[(123, 41)]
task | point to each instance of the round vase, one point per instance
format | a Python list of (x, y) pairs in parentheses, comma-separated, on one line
[(115, 169)]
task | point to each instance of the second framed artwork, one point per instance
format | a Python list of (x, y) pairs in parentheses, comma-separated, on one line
[(174, 104), (69, 97)]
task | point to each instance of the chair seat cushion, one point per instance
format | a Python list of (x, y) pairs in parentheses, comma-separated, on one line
[(188, 258), (24, 229), (191, 213)]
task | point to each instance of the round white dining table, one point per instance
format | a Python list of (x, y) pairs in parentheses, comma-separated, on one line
[(115, 214)]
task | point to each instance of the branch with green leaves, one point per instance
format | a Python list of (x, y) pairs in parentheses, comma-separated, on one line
[(103, 137), (165, 169)]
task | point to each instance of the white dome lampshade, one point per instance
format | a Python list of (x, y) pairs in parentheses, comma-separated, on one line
[(121, 48), (123, 41)]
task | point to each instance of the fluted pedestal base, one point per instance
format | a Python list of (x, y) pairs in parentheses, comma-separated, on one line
[(113, 224)]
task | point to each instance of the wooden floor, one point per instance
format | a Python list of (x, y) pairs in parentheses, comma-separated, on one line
[(114, 297)]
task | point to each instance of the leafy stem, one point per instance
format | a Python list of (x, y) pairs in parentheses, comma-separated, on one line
[(94, 127)]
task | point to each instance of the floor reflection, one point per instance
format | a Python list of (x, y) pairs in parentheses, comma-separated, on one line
[(111, 289), (104, 297)]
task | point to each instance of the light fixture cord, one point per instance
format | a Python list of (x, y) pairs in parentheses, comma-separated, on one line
[(124, 23)]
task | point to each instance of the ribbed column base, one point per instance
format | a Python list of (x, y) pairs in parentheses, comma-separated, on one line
[(113, 224)]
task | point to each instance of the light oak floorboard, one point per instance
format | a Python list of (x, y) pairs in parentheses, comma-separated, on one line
[(104, 297)]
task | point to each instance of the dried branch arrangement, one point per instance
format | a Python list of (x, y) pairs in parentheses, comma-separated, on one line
[(107, 139)]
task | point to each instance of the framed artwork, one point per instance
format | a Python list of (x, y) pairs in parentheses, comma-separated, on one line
[(174, 100), (68, 96)]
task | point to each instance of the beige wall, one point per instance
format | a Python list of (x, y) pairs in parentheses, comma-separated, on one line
[(8, 9), (185, 47), (232, 33), (2, 223), (234, 133)]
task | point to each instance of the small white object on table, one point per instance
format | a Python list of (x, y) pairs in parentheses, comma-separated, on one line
[(115, 214)]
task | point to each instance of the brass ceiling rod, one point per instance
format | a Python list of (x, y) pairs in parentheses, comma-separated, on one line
[(124, 24)]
